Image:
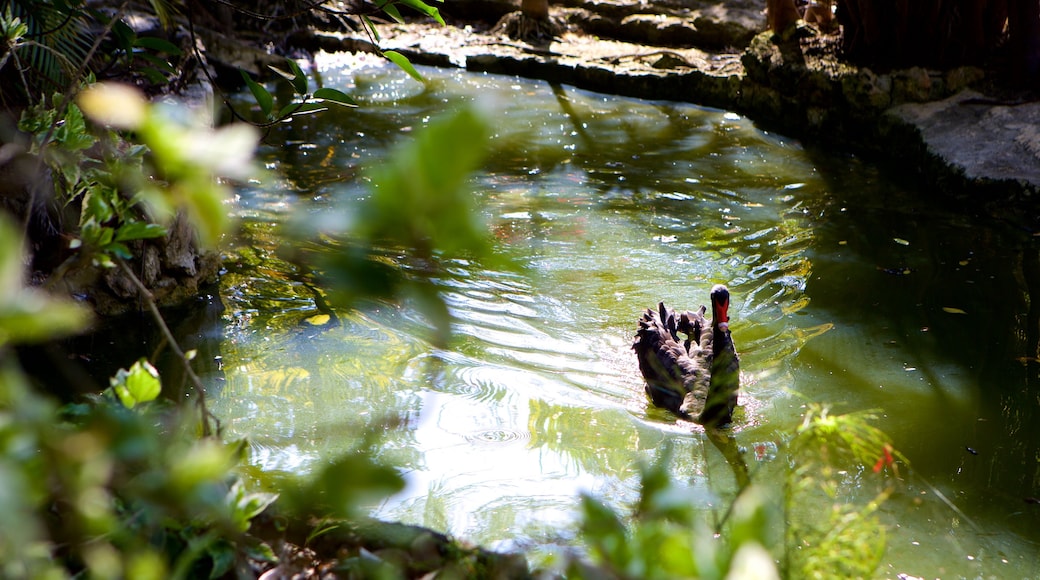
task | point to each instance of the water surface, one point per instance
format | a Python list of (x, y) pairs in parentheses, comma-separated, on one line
[(850, 288)]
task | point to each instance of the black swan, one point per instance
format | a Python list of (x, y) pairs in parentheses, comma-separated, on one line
[(698, 378)]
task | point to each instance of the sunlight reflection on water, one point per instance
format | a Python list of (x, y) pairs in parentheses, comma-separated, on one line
[(613, 205)]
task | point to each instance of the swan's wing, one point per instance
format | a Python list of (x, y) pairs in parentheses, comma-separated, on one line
[(664, 363)]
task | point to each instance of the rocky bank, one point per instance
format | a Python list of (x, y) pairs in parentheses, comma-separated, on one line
[(942, 126)]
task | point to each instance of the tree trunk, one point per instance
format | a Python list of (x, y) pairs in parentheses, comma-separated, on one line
[(1024, 38), (535, 9), (937, 33), (781, 15)]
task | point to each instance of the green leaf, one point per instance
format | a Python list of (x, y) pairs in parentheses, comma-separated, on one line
[(104, 236), (139, 231), (206, 204), (424, 8), (286, 75), (289, 110), (157, 44), (73, 134), (403, 63), (140, 384), (125, 36), (155, 76), (143, 381), (421, 197), (160, 63), (30, 317), (338, 97), (222, 554), (371, 27), (299, 80), (119, 250), (246, 506), (309, 109), (392, 12), (260, 551), (260, 93), (96, 205)]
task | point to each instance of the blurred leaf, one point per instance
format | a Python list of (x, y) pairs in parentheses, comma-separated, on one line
[(32, 317), (26, 315), (146, 565), (204, 463), (206, 205), (154, 75), (124, 36), (370, 27), (222, 554), (342, 487), (403, 63), (139, 231), (752, 519), (113, 104), (117, 249), (260, 552), (603, 530), (157, 44), (354, 272), (335, 96), (421, 199), (245, 506), (224, 152), (160, 63)]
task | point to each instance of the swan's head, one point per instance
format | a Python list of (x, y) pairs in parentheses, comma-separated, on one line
[(720, 307)]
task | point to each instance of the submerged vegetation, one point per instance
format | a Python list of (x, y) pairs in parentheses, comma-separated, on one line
[(126, 483)]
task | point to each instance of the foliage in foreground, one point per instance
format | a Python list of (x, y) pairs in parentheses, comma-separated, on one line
[(132, 488), (832, 459), (126, 485)]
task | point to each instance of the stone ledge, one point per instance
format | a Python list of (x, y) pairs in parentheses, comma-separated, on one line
[(962, 143)]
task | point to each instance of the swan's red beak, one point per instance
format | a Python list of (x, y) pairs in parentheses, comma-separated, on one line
[(720, 307)]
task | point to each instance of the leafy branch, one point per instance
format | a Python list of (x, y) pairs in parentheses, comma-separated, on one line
[(210, 423)]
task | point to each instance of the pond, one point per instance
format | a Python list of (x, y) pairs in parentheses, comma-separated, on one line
[(851, 288)]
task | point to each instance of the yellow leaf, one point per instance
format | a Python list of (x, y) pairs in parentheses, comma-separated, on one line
[(953, 310), (317, 319)]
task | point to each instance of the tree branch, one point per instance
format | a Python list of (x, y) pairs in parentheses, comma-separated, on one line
[(149, 300)]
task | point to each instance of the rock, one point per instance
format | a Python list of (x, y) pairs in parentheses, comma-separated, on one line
[(979, 137), (709, 53)]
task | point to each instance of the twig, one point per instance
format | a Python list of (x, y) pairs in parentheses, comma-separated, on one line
[(149, 300)]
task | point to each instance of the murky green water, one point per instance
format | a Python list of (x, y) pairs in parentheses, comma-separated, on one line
[(850, 288)]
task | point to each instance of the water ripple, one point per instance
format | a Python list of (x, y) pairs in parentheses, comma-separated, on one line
[(498, 436)]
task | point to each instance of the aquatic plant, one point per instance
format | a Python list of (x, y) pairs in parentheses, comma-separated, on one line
[(832, 460)]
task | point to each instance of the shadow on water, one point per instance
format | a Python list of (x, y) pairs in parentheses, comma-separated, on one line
[(83, 364), (941, 304)]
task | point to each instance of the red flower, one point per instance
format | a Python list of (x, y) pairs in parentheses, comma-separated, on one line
[(885, 459)]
